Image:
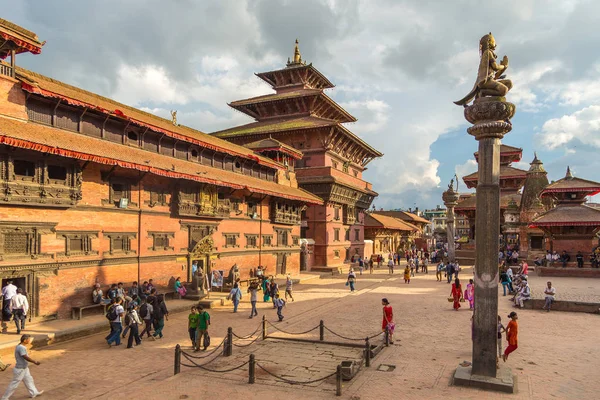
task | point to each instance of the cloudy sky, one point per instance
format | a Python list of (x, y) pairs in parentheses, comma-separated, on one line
[(397, 66)]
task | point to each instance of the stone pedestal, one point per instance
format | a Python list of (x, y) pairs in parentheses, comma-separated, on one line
[(490, 117), (503, 382)]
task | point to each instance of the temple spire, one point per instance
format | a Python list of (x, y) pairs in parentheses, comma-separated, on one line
[(569, 175), (297, 60)]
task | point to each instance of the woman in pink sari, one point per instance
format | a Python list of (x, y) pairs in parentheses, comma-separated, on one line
[(388, 319), (470, 294)]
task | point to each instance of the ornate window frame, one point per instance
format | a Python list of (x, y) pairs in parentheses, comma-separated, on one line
[(270, 241), (234, 236), (125, 236), (163, 235), (157, 197), (33, 232), (85, 236), (251, 236)]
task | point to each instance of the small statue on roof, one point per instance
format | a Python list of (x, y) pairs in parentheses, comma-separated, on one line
[(490, 82), (174, 117)]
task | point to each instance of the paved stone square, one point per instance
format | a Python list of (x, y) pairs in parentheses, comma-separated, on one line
[(557, 356)]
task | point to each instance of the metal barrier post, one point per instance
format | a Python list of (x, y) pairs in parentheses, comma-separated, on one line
[(367, 353), (229, 342), (321, 331), (251, 369), (264, 327), (338, 381), (177, 366), (387, 336)]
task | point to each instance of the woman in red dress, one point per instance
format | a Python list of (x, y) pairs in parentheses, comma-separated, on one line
[(456, 293), (388, 319)]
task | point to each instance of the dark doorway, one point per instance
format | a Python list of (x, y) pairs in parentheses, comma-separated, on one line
[(19, 282), (303, 259), (281, 264)]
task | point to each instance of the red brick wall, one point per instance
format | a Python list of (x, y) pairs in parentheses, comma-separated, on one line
[(12, 98)]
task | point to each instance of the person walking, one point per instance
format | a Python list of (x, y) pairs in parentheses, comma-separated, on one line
[(411, 264), (202, 331), (388, 319), (391, 266), (253, 290), (512, 331), (456, 294), (279, 303), (505, 281), (351, 280), (361, 265), (274, 289), (19, 306), (8, 291), (449, 271), (438, 271), (288, 287), (160, 313), (550, 292), (370, 265), (235, 295), (470, 294), (266, 290), (132, 321), (406, 274), (193, 318), (114, 315), (21, 371), (146, 312)]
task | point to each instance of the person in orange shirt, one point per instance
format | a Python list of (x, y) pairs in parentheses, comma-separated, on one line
[(512, 331)]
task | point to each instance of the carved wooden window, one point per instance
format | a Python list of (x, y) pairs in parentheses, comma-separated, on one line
[(267, 240), (57, 174), (113, 131), (133, 138), (22, 239), (24, 170), (336, 213), (336, 235), (120, 242), (251, 241), (345, 166), (252, 207), (40, 111), (295, 240), (356, 234), (158, 197), (91, 125), (119, 189), (282, 237), (236, 206), (77, 243), (160, 240), (347, 237), (67, 118), (231, 239)]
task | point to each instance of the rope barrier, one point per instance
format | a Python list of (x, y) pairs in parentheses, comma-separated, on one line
[(348, 338), (206, 355), (293, 333), (247, 344), (187, 356), (291, 382), (215, 370), (250, 335)]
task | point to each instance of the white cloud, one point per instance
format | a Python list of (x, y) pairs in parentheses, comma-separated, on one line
[(582, 126), (372, 115)]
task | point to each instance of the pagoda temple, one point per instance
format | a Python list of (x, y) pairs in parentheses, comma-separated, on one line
[(571, 226), (511, 181), (300, 115)]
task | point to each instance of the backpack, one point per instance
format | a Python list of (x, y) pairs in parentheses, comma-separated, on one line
[(111, 315), (128, 319), (144, 310), (206, 339)]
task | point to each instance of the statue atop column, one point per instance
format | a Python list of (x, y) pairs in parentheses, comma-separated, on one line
[(490, 82)]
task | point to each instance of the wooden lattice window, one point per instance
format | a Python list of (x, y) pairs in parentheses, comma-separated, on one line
[(22, 239), (120, 243), (336, 213), (356, 234), (17, 243), (39, 111), (267, 240), (251, 241), (252, 208), (336, 235), (282, 237), (295, 240), (160, 240), (78, 243), (24, 170), (347, 237), (231, 239), (158, 197)]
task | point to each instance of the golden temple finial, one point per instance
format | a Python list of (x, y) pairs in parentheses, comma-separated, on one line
[(297, 60), (569, 175)]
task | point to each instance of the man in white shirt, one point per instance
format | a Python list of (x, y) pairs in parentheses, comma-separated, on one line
[(115, 323), (524, 293), (550, 292), (8, 292), (21, 371), (19, 306)]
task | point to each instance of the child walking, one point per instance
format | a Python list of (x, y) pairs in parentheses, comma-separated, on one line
[(407, 274), (512, 331), (279, 303)]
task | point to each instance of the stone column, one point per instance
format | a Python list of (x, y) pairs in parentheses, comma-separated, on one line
[(490, 117), (450, 198)]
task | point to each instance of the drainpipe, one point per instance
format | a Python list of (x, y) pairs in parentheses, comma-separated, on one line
[(139, 249)]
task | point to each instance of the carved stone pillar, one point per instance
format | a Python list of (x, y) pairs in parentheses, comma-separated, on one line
[(490, 117), (450, 198)]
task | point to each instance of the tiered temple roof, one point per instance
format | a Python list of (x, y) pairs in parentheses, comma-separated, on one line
[(14, 37), (373, 220), (405, 216)]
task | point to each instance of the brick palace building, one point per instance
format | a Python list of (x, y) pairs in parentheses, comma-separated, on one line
[(92, 190), (303, 117)]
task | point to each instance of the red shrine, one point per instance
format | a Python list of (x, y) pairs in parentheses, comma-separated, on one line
[(303, 117)]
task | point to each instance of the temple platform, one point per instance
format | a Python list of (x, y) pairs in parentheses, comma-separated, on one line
[(571, 272), (563, 305)]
